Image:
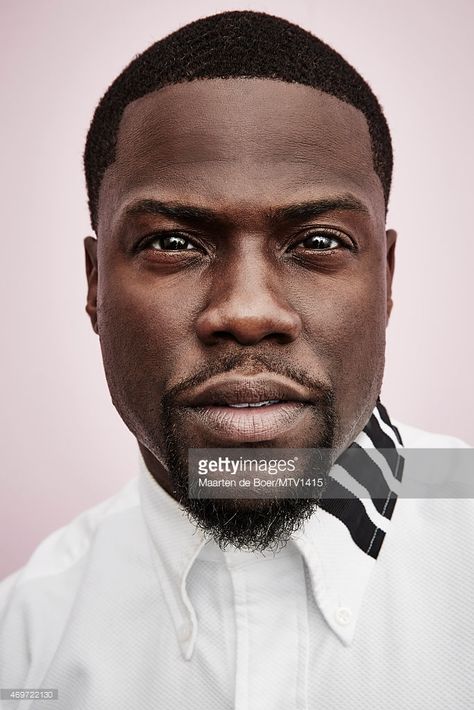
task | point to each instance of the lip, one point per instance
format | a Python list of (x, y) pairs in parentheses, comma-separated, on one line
[(209, 406), (232, 389)]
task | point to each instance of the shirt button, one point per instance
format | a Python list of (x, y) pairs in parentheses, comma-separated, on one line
[(343, 616), (184, 632)]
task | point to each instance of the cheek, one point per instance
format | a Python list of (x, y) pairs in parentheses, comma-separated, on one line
[(345, 324), (143, 340), (144, 325), (345, 328)]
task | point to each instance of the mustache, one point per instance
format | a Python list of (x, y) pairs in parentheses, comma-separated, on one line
[(251, 365)]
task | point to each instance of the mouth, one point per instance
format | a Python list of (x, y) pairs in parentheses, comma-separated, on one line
[(247, 409), (243, 405)]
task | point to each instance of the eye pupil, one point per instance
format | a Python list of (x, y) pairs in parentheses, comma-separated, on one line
[(318, 241), (173, 242), (170, 242)]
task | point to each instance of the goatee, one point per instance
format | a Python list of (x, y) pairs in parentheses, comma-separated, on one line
[(255, 524)]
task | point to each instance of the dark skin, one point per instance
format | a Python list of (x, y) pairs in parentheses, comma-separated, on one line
[(310, 289)]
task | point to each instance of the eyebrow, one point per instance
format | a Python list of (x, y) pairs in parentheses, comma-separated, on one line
[(299, 211)]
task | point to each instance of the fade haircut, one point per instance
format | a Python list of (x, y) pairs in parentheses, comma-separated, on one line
[(232, 45)]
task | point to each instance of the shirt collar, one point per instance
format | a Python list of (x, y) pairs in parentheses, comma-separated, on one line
[(340, 542)]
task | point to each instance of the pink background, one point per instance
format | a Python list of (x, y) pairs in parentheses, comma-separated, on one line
[(64, 447)]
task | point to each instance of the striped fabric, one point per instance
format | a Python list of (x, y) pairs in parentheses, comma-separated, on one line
[(371, 467)]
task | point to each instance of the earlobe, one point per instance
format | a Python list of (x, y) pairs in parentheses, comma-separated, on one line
[(391, 239), (90, 248)]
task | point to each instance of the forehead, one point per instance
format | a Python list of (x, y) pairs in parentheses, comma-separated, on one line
[(246, 142)]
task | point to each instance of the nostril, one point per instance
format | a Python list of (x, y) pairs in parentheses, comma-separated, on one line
[(249, 329)]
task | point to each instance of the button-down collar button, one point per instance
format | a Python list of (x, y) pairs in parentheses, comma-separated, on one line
[(185, 631), (343, 616)]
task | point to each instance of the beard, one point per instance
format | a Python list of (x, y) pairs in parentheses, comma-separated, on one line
[(255, 524)]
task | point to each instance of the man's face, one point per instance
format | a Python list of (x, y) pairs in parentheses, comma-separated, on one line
[(241, 259)]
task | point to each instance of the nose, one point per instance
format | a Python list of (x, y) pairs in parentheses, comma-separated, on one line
[(247, 304)]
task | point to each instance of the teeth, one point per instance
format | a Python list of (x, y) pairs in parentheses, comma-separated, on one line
[(255, 404)]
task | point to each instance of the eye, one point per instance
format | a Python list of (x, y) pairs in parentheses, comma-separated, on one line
[(171, 241), (321, 241)]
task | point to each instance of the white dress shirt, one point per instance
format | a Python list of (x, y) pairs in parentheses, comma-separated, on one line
[(130, 607)]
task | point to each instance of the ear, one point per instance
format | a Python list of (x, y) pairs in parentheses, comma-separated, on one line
[(90, 247), (391, 239)]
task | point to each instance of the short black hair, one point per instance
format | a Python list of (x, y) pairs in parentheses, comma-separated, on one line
[(231, 45)]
